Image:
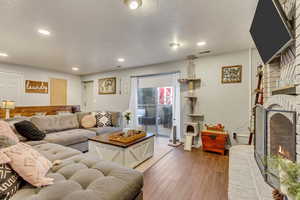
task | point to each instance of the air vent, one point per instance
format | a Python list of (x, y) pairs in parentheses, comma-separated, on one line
[(204, 52)]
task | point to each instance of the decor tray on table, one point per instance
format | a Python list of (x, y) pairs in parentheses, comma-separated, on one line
[(128, 137)]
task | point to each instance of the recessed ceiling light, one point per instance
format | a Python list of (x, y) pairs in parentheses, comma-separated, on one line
[(121, 60), (133, 4), (174, 45), (201, 43), (75, 68), (44, 32), (3, 54)]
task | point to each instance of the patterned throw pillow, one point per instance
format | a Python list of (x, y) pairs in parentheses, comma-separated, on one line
[(29, 164), (103, 119), (10, 182)]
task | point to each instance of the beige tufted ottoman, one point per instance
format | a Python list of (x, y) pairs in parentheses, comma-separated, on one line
[(83, 177)]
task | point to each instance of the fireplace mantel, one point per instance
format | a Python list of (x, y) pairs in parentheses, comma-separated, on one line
[(284, 102)]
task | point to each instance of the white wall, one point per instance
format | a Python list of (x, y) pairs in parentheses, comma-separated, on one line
[(29, 73), (220, 103)]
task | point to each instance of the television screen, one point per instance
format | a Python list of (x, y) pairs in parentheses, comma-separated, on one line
[(269, 30)]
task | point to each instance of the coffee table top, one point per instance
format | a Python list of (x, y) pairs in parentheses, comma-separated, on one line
[(104, 138)]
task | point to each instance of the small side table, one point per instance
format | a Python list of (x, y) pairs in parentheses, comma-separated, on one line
[(214, 141)]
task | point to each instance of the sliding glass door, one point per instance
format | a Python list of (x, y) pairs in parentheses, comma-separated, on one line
[(155, 104)]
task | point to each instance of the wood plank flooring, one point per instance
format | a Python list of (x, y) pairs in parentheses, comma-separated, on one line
[(181, 175)]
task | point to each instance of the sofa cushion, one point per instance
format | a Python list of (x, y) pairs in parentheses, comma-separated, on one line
[(53, 123), (103, 130), (87, 177), (29, 130), (33, 143), (69, 137), (55, 152)]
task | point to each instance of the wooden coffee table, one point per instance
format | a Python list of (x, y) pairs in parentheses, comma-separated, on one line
[(129, 155)]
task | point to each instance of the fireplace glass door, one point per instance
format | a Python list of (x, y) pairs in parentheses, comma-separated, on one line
[(260, 138), (281, 139)]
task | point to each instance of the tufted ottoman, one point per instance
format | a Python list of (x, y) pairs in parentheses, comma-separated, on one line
[(83, 177)]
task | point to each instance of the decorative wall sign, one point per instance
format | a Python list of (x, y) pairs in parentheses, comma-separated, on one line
[(107, 85), (36, 87), (232, 74)]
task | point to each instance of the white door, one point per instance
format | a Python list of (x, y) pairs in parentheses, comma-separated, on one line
[(11, 87), (88, 96)]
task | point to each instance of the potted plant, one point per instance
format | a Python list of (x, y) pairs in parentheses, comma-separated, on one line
[(289, 175), (127, 117)]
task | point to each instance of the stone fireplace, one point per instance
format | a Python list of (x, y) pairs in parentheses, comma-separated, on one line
[(278, 127)]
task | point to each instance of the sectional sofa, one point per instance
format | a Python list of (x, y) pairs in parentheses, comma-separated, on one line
[(67, 130), (83, 177), (78, 176)]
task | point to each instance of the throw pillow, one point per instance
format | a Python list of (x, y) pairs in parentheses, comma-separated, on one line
[(4, 143), (88, 121), (29, 164), (29, 130), (103, 119), (80, 115), (10, 182), (5, 130), (12, 122), (116, 116)]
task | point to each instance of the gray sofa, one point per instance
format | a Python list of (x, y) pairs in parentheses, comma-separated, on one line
[(66, 130), (83, 177), (80, 176)]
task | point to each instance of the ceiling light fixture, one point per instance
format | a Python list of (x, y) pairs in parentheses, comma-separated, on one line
[(75, 68), (201, 43), (174, 45), (44, 32), (121, 60), (133, 4), (3, 55)]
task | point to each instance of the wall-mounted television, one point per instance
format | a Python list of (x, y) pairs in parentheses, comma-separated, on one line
[(270, 30)]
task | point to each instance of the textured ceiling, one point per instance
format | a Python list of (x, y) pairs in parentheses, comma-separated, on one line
[(92, 34)]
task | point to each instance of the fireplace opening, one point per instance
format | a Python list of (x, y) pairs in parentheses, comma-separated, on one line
[(275, 135), (282, 139)]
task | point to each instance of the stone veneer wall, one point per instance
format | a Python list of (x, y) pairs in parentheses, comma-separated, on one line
[(286, 71), (297, 72)]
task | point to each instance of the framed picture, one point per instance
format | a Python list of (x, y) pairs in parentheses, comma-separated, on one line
[(107, 85), (232, 74)]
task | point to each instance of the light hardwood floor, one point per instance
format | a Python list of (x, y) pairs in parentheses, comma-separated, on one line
[(184, 175)]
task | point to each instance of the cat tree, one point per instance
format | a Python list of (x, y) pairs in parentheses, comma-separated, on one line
[(192, 126)]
